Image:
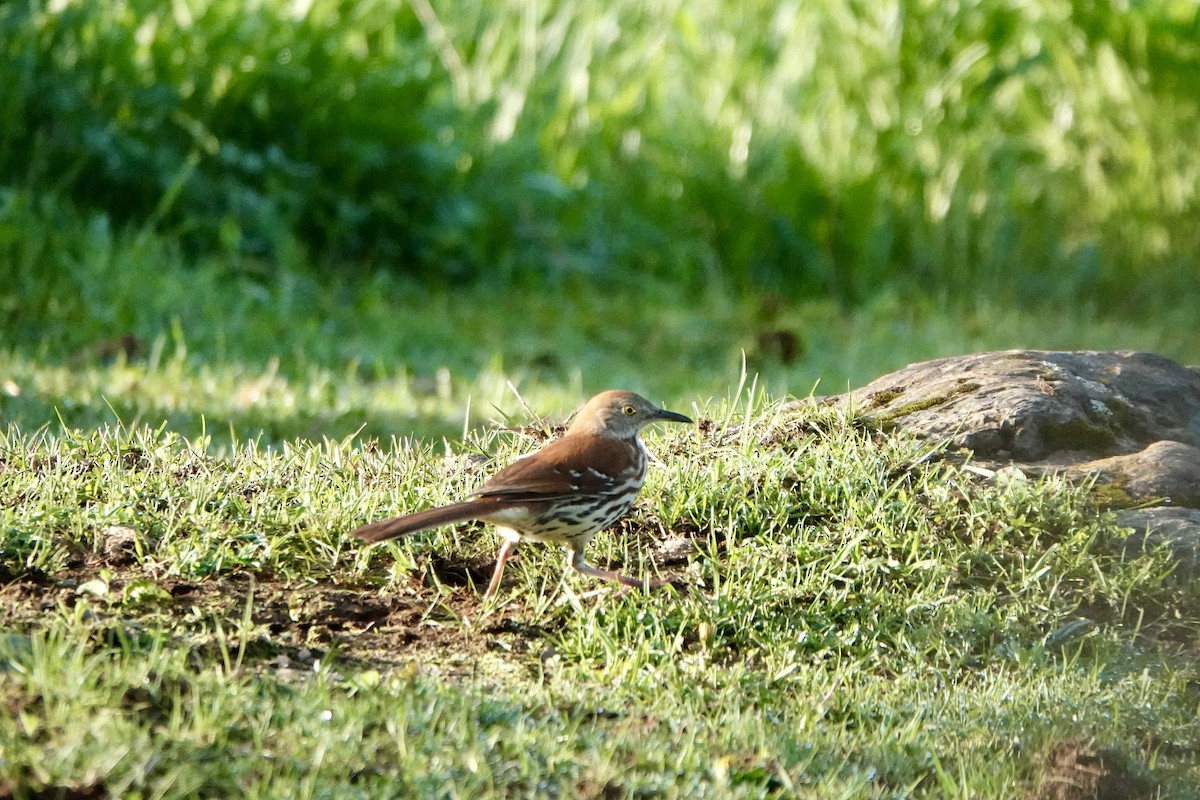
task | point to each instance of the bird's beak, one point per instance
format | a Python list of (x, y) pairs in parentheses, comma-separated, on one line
[(671, 416)]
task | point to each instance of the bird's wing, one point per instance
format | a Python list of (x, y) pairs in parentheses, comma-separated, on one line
[(567, 467)]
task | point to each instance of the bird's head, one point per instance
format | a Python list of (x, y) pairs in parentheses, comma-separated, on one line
[(620, 414)]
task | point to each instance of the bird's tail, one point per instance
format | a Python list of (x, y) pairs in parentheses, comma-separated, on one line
[(415, 523)]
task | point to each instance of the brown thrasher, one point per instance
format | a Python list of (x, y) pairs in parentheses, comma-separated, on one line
[(565, 493)]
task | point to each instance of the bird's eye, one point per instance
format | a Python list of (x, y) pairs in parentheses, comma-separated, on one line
[(629, 410)]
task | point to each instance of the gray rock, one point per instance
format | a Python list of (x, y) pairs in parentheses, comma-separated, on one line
[(1166, 470), (1030, 405), (1177, 528), (1129, 420)]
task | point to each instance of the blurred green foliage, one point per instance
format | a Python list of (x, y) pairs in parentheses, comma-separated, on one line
[(229, 126), (1034, 150)]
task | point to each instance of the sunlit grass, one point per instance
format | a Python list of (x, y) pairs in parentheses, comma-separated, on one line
[(271, 271), (430, 365), (853, 617)]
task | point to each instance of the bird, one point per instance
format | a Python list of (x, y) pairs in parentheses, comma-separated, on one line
[(565, 493)]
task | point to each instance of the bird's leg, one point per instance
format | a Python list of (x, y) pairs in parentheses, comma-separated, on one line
[(506, 551), (577, 562)]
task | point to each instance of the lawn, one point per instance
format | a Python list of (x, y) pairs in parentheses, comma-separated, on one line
[(272, 271), (854, 616)]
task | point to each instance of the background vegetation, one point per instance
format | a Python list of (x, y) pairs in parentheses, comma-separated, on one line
[(244, 245), (951, 150)]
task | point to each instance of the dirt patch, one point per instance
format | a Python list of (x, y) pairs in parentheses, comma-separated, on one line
[(94, 791), (434, 623), (293, 626), (588, 789), (1075, 770)]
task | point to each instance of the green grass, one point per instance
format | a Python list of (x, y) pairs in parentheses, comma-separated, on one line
[(853, 619), (236, 353), (450, 362), (268, 272)]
